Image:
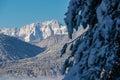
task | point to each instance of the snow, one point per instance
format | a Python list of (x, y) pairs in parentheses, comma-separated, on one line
[(12, 48), (36, 31), (97, 53), (47, 63), (40, 78)]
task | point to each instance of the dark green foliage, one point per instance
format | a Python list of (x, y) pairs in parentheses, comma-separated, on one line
[(64, 49)]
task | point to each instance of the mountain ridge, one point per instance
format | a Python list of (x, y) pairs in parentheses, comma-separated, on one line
[(12, 48), (40, 30), (47, 63)]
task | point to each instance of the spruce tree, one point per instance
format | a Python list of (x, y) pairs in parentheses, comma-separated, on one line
[(95, 55)]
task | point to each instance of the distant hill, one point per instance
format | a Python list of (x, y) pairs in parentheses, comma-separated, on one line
[(12, 48)]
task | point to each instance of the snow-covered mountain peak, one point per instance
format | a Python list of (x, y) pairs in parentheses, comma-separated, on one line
[(36, 31)]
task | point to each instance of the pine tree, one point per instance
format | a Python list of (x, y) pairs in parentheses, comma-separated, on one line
[(96, 54)]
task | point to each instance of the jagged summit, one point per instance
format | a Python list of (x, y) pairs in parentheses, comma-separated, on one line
[(36, 31)]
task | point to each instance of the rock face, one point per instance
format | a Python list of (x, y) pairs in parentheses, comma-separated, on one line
[(36, 31), (14, 49)]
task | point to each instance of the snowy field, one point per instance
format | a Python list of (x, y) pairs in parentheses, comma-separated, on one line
[(42, 78)]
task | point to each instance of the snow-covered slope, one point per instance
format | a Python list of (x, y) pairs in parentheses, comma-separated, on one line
[(36, 31), (48, 63), (14, 49)]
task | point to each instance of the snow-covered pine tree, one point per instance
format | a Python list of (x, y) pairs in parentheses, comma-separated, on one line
[(96, 55)]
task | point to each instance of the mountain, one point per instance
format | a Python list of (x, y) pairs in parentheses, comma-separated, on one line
[(36, 31), (14, 49), (48, 63)]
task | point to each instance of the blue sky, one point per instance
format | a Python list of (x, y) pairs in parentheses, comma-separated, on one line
[(17, 13)]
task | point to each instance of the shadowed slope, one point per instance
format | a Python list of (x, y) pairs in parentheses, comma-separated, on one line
[(13, 49)]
